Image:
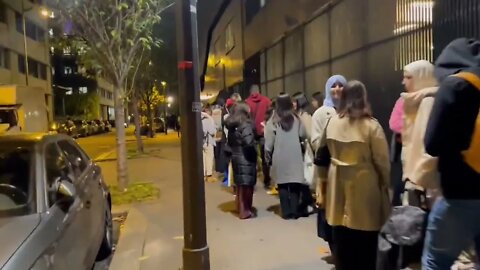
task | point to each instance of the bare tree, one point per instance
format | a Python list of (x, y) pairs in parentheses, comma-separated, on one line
[(116, 31)]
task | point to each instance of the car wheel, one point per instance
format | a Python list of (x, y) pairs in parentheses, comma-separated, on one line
[(106, 248)]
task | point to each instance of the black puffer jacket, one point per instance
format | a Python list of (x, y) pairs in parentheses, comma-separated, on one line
[(241, 140)]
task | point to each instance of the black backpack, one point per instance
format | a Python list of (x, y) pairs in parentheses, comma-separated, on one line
[(400, 241)]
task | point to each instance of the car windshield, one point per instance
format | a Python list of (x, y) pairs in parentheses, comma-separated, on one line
[(16, 181)]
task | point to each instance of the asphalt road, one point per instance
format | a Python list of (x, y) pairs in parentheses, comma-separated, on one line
[(98, 144)]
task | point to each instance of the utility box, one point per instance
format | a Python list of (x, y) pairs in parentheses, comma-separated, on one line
[(22, 109)]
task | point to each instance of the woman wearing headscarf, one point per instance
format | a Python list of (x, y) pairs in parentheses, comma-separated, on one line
[(357, 199), (419, 169), (333, 91), (284, 133)]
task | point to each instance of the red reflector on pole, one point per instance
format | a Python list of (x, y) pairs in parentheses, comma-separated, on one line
[(185, 65)]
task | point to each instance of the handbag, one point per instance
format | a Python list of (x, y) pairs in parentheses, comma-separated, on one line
[(322, 156)]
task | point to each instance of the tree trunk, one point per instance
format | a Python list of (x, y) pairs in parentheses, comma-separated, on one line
[(138, 135), (122, 170), (151, 133)]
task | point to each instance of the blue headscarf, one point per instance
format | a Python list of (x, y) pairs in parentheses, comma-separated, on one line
[(328, 101)]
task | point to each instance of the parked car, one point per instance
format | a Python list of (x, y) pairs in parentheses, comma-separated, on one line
[(68, 128), (101, 126), (93, 127), (158, 124), (55, 206), (108, 126), (83, 129)]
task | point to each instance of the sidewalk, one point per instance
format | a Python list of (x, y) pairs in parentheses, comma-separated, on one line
[(153, 234)]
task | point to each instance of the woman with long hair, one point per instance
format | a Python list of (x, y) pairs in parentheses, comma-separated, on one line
[(241, 140), (284, 134), (357, 199)]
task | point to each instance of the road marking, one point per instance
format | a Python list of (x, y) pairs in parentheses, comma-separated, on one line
[(103, 156), (178, 237)]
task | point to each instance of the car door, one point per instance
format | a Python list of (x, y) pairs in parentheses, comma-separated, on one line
[(70, 244), (89, 176)]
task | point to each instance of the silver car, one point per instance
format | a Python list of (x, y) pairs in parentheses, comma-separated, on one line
[(55, 209)]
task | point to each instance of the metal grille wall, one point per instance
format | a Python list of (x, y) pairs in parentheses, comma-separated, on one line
[(454, 19), (352, 38)]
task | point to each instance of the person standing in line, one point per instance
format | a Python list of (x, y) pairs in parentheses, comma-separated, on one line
[(241, 140), (259, 105), (357, 182), (453, 135), (420, 172), (209, 130), (284, 133), (317, 101), (333, 91), (301, 106)]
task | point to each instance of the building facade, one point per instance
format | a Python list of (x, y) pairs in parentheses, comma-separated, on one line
[(291, 46), (14, 46)]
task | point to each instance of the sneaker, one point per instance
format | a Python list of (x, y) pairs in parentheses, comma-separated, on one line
[(273, 191)]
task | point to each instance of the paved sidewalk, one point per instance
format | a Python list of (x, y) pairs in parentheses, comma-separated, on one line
[(264, 243)]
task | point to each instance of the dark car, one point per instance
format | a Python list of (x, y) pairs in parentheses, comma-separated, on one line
[(108, 126), (101, 126), (83, 129), (55, 208), (68, 128)]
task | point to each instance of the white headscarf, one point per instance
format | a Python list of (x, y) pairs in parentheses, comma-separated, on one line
[(422, 73)]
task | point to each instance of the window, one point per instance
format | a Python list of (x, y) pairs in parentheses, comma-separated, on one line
[(75, 156), (33, 68), (40, 36), (16, 170), (69, 91), (3, 13), (19, 22), (56, 167), (4, 58), (83, 90), (21, 64), (42, 71)]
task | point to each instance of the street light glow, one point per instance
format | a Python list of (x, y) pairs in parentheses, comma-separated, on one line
[(164, 83), (45, 12), (170, 99)]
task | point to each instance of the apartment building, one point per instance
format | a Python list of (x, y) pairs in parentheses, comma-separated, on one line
[(23, 52)]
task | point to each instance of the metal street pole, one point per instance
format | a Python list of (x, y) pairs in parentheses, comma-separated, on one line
[(25, 46), (195, 251), (165, 108)]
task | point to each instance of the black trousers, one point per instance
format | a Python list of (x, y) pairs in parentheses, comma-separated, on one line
[(291, 200), (267, 181), (221, 160), (354, 249)]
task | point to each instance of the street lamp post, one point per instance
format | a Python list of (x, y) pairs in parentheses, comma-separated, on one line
[(195, 251), (164, 85)]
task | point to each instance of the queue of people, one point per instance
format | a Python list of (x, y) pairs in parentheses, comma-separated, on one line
[(436, 137)]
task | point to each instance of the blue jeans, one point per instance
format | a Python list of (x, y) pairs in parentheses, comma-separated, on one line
[(453, 226)]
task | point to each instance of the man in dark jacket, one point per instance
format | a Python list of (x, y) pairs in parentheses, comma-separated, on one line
[(259, 105), (454, 222)]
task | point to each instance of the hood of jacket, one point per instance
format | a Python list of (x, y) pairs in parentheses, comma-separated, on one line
[(328, 101), (422, 73), (461, 54), (256, 97), (411, 101)]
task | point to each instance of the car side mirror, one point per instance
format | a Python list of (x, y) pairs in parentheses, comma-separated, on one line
[(65, 193)]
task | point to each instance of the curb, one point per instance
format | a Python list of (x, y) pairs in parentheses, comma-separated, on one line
[(130, 246), (105, 156)]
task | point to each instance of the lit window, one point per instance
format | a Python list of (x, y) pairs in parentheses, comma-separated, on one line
[(83, 90), (69, 91)]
